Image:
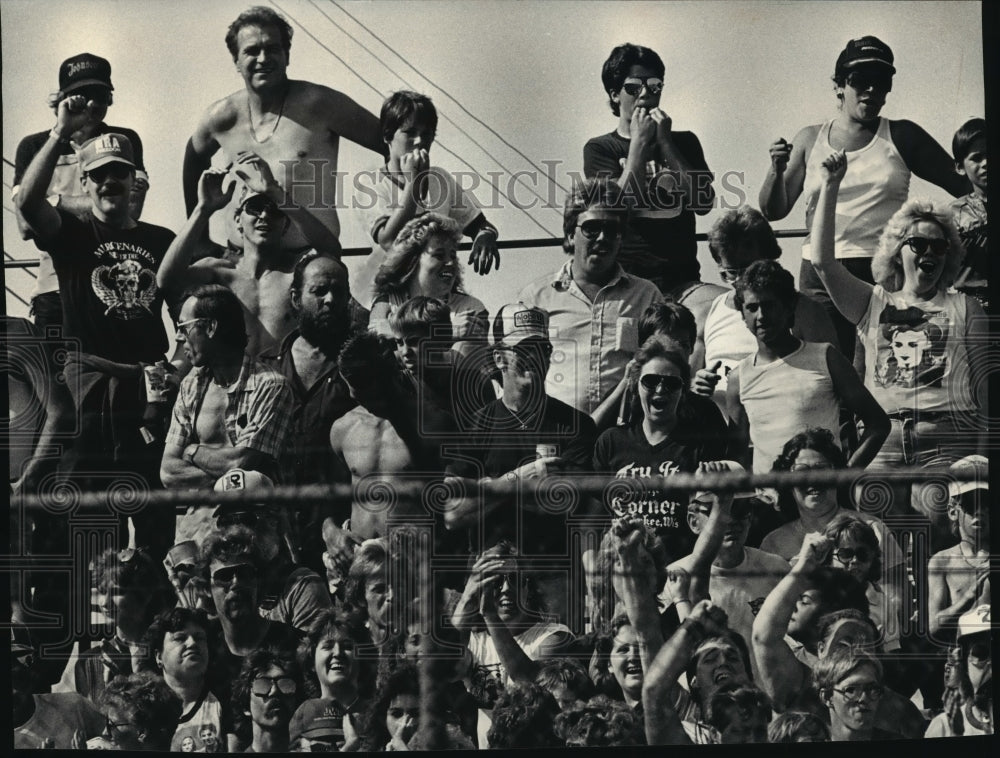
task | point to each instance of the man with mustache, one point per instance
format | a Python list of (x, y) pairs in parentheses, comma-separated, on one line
[(292, 123), (106, 267)]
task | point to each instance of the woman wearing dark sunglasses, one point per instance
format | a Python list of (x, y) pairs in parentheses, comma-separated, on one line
[(924, 344), (883, 154)]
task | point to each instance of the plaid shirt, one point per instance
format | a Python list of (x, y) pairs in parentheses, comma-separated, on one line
[(258, 409)]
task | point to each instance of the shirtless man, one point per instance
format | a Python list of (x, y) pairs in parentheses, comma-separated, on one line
[(391, 432), (292, 124), (262, 276), (231, 411)]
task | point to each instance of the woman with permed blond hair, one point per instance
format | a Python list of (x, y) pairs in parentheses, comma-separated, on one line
[(923, 341), (424, 261)]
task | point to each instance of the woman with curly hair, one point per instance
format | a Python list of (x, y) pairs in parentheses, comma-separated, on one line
[(600, 722), (923, 342), (424, 261)]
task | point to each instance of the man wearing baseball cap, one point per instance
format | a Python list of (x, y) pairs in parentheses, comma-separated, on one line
[(106, 265), (88, 76), (522, 435)]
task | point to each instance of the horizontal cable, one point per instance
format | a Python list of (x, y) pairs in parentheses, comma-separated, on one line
[(64, 493)]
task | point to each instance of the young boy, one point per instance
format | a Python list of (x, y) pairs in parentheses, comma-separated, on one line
[(969, 148), (958, 577), (408, 186)]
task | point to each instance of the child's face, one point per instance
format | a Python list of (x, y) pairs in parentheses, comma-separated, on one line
[(409, 137), (974, 164)]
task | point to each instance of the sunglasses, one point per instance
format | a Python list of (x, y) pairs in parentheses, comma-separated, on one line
[(183, 326), (263, 685), (847, 554), (980, 652), (863, 80), (730, 275), (258, 204), (226, 577), (244, 518), (593, 228), (112, 727), (668, 382), (633, 85), (118, 171), (919, 245), (854, 692)]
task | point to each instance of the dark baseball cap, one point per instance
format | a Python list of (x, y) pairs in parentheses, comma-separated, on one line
[(866, 51), (317, 719), (84, 70)]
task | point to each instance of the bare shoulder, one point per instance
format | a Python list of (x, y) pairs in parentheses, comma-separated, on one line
[(320, 99), (222, 115)]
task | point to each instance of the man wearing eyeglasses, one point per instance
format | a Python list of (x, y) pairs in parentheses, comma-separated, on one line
[(661, 169), (89, 76), (262, 274), (268, 691), (593, 305)]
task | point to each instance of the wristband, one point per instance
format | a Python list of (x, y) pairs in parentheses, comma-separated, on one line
[(58, 137)]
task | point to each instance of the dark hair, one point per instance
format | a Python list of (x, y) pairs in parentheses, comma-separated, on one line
[(727, 635), (256, 663), (838, 590), (743, 224), (767, 276), (738, 695), (600, 722), (815, 438), (524, 717), (135, 570), (671, 318), (152, 706), (969, 132), (854, 527), (427, 315), (350, 624), (565, 672), (404, 680), (655, 347), (791, 725), (403, 259), (166, 622), (400, 106), (367, 357), (617, 66), (220, 303), (229, 544), (299, 270), (258, 15), (587, 194)]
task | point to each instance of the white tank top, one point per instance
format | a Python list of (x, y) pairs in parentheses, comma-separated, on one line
[(875, 186), (786, 397), (727, 339)]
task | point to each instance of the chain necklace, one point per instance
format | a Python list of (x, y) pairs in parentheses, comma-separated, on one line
[(522, 422), (274, 128)]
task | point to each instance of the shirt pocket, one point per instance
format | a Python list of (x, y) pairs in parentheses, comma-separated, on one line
[(627, 334)]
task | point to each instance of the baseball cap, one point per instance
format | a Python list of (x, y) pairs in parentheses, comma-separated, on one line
[(865, 50), (84, 70), (978, 466), (975, 621), (240, 479), (104, 149), (517, 322), (319, 718)]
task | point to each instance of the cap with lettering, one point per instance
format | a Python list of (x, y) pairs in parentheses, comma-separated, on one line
[(317, 719), (865, 51), (105, 149), (517, 322), (239, 479), (84, 70), (975, 621)]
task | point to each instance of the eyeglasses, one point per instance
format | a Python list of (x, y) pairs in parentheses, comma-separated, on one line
[(668, 382), (847, 554), (115, 170), (183, 326), (593, 228), (919, 245), (862, 80), (263, 685), (979, 653), (258, 204), (246, 518), (634, 84), (112, 727), (227, 577), (853, 692), (730, 275)]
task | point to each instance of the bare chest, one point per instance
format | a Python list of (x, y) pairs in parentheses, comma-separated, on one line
[(211, 421)]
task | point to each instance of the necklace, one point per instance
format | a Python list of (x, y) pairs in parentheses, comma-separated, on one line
[(274, 128), (521, 421)]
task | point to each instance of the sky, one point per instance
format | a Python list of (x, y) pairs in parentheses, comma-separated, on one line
[(738, 74)]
